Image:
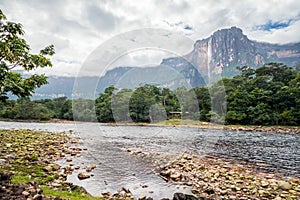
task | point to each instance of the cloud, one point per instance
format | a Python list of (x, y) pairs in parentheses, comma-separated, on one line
[(280, 36), (100, 18), (76, 28)]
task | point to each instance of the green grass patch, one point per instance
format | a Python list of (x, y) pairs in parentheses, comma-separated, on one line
[(72, 195), (20, 179)]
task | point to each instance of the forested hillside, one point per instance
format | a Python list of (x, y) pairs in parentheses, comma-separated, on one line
[(269, 95)]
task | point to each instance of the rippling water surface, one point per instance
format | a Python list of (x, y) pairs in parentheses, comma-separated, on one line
[(107, 148)]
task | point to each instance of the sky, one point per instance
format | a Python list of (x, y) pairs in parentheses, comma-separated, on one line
[(78, 27)]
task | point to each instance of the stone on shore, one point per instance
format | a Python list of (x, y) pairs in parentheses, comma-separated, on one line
[(284, 185), (83, 175)]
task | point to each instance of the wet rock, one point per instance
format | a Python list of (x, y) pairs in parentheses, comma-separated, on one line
[(91, 168), (142, 197), (69, 159), (143, 185), (165, 173), (77, 167), (83, 175), (105, 193)]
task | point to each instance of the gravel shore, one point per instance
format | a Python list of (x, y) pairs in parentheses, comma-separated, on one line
[(218, 178)]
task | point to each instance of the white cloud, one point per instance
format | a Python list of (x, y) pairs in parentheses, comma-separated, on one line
[(76, 28)]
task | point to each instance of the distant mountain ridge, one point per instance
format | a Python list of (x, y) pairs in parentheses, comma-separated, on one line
[(211, 58), (226, 49)]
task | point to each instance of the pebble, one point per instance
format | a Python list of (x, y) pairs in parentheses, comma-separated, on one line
[(69, 159), (143, 185), (91, 168), (25, 193), (47, 168), (142, 197), (175, 176), (264, 183)]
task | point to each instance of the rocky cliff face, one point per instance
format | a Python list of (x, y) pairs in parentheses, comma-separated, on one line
[(211, 59), (218, 55)]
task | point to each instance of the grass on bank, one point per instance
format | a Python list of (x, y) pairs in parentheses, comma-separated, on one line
[(73, 195)]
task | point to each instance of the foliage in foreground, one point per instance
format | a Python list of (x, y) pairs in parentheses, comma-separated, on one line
[(15, 54)]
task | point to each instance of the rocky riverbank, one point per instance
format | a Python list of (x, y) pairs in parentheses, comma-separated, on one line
[(30, 156), (28, 170), (208, 125), (218, 178), (182, 123)]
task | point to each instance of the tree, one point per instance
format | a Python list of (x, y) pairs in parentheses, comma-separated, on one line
[(26, 109), (204, 102), (141, 101), (169, 101), (103, 105), (15, 54), (120, 105)]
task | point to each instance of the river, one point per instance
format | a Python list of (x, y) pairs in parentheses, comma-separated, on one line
[(108, 146)]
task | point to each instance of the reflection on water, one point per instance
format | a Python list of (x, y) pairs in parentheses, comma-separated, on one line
[(117, 168)]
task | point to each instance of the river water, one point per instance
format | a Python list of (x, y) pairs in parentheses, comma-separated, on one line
[(108, 146)]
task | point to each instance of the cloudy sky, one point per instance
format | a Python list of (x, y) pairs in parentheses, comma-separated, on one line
[(77, 27)]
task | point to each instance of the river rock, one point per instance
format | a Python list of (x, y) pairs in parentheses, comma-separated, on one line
[(90, 168), (143, 185), (83, 175), (284, 185), (25, 193), (37, 197), (2, 161), (47, 168), (264, 183), (175, 176), (181, 196), (142, 197), (77, 167), (105, 193), (165, 173), (69, 159)]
